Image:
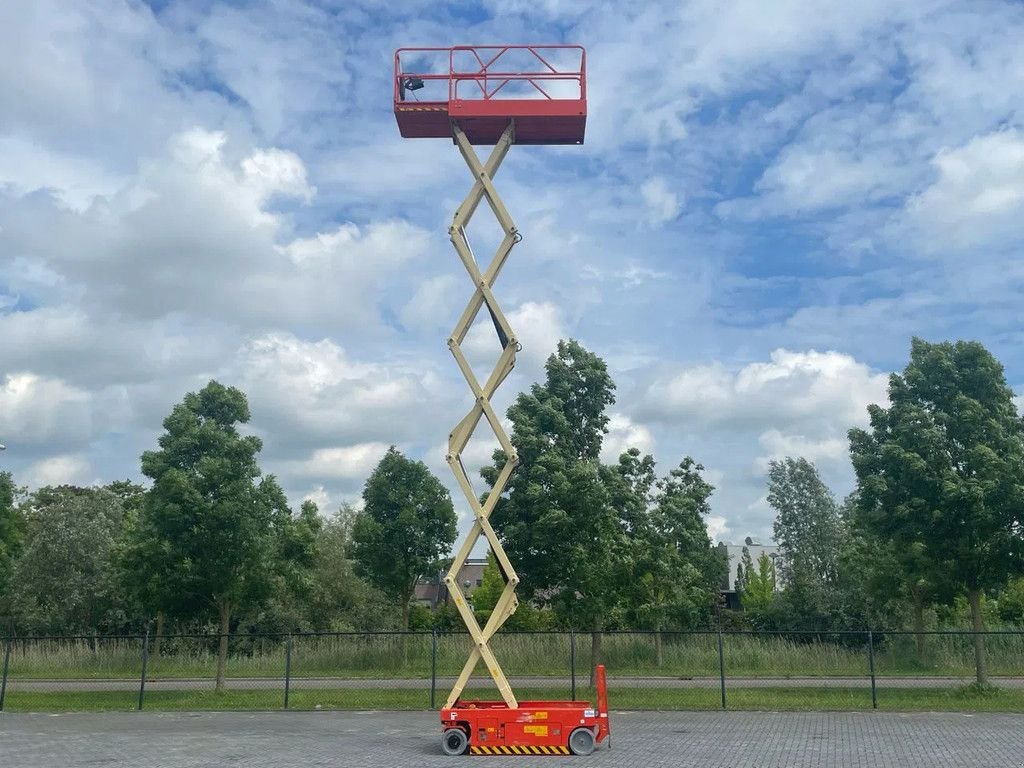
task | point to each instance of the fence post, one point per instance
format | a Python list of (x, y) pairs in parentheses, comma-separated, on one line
[(145, 661), (721, 664), (287, 669), (572, 660), (433, 667), (7, 666), (871, 667)]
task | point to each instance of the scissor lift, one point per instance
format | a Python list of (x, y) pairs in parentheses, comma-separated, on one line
[(500, 96)]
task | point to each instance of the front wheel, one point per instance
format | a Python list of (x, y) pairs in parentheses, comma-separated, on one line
[(454, 741), (581, 741)]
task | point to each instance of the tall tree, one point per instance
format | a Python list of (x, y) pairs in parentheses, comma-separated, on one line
[(210, 516), (759, 582), (65, 580), (295, 549), (558, 519), (808, 531), (674, 569), (485, 597), (943, 466), (406, 526), (12, 526), (339, 600)]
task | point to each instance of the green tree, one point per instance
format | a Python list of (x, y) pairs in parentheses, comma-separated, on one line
[(676, 573), (943, 466), (485, 597), (808, 531), (406, 526), (557, 521), (12, 526), (338, 599), (295, 554), (211, 520), (1011, 602), (759, 583), (65, 580)]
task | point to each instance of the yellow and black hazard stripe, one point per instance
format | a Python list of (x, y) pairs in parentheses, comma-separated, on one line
[(524, 750), (410, 108)]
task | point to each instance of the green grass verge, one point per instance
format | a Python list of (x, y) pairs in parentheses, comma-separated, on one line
[(411, 656), (778, 698)]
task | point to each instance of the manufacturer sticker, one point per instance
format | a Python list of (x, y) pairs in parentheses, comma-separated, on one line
[(590, 713)]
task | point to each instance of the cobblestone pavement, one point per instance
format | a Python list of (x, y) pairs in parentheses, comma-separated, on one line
[(411, 740)]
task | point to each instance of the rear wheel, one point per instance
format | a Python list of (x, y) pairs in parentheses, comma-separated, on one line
[(453, 741), (581, 741)]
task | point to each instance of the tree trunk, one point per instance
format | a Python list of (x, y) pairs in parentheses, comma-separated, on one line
[(919, 624), (978, 621), (658, 655), (222, 650), (404, 639), (161, 620), (595, 655)]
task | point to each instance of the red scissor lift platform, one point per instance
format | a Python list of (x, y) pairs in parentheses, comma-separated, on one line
[(496, 95), (533, 728), (482, 87)]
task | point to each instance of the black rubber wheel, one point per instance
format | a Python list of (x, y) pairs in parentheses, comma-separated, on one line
[(454, 741), (581, 741)]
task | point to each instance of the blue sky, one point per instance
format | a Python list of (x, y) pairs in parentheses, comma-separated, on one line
[(772, 199)]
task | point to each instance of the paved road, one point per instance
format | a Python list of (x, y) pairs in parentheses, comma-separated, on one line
[(334, 683), (640, 740)]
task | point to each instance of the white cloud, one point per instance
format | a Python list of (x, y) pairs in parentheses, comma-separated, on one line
[(26, 167), (805, 180), (778, 445), (434, 304), (41, 411), (349, 462), (321, 498), (718, 528), (197, 232), (623, 434), (663, 204), (63, 469), (791, 388), (315, 393), (537, 325), (738, 419), (977, 199)]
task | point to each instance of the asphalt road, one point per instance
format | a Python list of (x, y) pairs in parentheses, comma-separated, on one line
[(411, 739), (334, 683)]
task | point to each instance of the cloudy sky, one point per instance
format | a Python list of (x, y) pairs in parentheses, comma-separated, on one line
[(772, 198)]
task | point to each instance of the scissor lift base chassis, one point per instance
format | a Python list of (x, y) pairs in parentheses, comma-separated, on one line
[(534, 728)]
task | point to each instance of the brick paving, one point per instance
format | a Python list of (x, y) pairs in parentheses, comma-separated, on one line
[(411, 739)]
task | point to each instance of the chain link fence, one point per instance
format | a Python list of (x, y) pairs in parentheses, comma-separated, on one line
[(416, 670)]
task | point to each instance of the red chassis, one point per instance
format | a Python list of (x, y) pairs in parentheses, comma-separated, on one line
[(535, 728)]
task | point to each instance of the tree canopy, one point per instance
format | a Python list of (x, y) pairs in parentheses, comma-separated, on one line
[(942, 469), (211, 523), (66, 580), (406, 526), (557, 520)]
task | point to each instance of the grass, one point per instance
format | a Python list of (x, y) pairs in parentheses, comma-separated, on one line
[(968, 698), (382, 656)]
